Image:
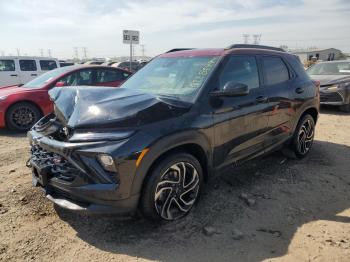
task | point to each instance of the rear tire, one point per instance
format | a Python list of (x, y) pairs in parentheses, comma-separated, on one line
[(345, 108), (22, 116), (172, 188), (303, 136)]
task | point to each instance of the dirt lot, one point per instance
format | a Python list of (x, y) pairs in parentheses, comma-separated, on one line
[(272, 209)]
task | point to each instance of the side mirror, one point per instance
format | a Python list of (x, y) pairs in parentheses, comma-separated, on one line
[(60, 84), (232, 89)]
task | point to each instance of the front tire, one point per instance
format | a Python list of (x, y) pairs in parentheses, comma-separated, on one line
[(22, 116), (303, 136), (172, 188)]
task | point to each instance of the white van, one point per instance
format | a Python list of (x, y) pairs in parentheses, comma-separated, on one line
[(16, 70)]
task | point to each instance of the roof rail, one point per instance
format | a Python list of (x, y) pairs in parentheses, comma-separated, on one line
[(255, 46), (178, 49)]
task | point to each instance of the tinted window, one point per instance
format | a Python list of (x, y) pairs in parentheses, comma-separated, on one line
[(104, 75), (240, 69), (7, 65), (27, 65), (81, 78), (275, 70), (47, 65)]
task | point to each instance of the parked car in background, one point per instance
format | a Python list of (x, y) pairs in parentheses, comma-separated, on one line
[(64, 63), (17, 70), (22, 106), (93, 63), (334, 77), (152, 143), (108, 63), (135, 66)]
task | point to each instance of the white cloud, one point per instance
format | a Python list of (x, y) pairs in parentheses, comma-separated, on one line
[(62, 25)]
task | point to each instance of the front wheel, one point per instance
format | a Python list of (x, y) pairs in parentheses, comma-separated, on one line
[(303, 136), (22, 116), (172, 188)]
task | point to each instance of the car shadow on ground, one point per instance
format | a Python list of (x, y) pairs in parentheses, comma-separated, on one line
[(332, 110), (10, 133), (287, 194)]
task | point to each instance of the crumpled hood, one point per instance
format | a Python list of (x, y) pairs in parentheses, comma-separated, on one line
[(96, 107), (331, 79)]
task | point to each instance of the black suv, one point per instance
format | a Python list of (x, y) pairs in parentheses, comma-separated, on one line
[(151, 144)]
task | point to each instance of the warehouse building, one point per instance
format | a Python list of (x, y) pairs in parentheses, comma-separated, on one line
[(329, 54)]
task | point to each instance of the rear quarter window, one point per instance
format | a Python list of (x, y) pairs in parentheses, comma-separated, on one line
[(27, 65), (47, 65), (275, 70), (7, 65)]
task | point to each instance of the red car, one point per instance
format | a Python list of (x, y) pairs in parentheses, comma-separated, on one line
[(22, 106)]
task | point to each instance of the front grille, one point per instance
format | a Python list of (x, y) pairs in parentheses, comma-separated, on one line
[(54, 164), (331, 97)]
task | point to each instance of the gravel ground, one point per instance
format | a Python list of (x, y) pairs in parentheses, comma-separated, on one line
[(272, 209)]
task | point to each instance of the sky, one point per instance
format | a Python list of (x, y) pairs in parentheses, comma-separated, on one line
[(61, 25)]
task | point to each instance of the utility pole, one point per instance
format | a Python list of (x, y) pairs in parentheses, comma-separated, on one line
[(257, 38), (76, 53), (143, 50), (49, 52), (2, 53), (84, 49), (246, 38), (18, 52), (41, 52)]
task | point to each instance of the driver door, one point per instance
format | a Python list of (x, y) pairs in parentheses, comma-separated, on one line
[(239, 122)]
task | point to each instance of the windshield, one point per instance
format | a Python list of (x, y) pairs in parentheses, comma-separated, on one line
[(175, 77), (46, 77), (332, 68)]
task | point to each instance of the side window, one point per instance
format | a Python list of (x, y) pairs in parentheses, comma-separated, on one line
[(27, 65), (69, 80), (240, 69), (275, 70), (47, 65), (84, 77), (7, 65), (103, 76), (80, 78)]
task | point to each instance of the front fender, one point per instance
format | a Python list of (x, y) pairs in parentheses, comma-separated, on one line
[(164, 145)]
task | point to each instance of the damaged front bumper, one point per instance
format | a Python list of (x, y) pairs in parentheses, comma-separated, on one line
[(72, 177)]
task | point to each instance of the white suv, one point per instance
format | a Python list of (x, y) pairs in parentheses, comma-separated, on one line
[(16, 70)]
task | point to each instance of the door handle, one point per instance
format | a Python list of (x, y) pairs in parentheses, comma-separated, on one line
[(13, 75), (33, 74), (299, 90), (261, 99)]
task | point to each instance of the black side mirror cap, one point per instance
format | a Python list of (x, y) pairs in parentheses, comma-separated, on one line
[(232, 89)]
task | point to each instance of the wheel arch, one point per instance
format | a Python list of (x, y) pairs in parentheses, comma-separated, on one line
[(192, 142)]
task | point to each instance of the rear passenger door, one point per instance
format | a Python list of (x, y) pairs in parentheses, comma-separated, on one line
[(9, 74), (277, 88), (28, 70)]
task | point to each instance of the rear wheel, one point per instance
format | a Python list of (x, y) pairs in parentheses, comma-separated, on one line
[(22, 116), (345, 108), (172, 188), (303, 136)]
